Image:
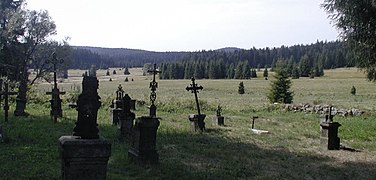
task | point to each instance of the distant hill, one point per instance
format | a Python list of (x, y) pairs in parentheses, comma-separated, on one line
[(85, 56), (230, 49)]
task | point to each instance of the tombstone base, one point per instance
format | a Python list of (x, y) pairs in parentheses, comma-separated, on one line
[(115, 115), (126, 126), (219, 120), (197, 122), (143, 148), (329, 136), (84, 159)]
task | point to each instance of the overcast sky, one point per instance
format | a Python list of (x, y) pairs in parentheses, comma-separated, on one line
[(188, 25)]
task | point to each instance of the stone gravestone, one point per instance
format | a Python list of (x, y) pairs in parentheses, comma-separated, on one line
[(218, 119), (85, 155), (6, 94), (143, 146), (55, 101), (197, 120), (117, 105), (329, 131), (126, 118)]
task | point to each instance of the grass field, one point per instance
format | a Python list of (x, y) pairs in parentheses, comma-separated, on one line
[(290, 151)]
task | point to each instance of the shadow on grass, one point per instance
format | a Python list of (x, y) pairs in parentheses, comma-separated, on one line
[(208, 155), (32, 145)]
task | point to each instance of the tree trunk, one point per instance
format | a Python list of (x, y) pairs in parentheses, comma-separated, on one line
[(22, 91)]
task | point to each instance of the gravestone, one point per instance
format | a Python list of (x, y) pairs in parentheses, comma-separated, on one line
[(6, 95), (85, 155), (117, 105), (55, 101), (254, 130), (329, 131), (218, 119), (197, 120), (126, 118), (143, 146)]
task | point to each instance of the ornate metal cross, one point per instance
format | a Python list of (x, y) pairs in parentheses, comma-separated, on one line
[(153, 95), (194, 89), (6, 94), (56, 110)]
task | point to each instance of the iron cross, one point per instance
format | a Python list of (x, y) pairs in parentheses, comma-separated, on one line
[(194, 89), (153, 84), (56, 110)]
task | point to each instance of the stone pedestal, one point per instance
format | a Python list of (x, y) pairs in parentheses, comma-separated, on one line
[(197, 122), (143, 148), (115, 115), (126, 125), (84, 159), (219, 120), (329, 135)]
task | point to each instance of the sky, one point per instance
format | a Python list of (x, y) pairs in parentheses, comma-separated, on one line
[(188, 25)]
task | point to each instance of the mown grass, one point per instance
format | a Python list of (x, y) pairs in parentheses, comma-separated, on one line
[(290, 151)]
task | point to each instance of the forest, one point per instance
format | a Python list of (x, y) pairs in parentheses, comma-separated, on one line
[(227, 63)]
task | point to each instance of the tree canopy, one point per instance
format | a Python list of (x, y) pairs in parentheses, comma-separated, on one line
[(357, 22)]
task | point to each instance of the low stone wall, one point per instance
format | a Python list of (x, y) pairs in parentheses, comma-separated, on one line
[(322, 109)]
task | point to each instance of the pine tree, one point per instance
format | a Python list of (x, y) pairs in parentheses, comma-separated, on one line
[(353, 90), (107, 73), (126, 71), (266, 73), (280, 89), (241, 88), (114, 72), (295, 72)]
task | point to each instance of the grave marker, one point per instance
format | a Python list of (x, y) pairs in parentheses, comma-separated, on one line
[(117, 105), (197, 120), (55, 101), (218, 119), (85, 154), (6, 95), (143, 146), (329, 132), (153, 95)]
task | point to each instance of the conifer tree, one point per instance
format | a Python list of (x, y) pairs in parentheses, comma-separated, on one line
[(108, 72), (266, 73), (126, 71), (241, 88), (353, 90), (280, 89)]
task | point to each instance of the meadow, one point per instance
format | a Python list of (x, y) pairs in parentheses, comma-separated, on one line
[(290, 151)]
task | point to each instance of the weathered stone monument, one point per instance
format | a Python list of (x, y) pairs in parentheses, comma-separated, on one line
[(143, 146), (197, 120), (85, 155), (329, 131), (126, 118), (117, 105), (6, 95), (55, 101), (218, 119)]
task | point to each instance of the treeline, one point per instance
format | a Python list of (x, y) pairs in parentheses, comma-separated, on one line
[(103, 58), (298, 60)]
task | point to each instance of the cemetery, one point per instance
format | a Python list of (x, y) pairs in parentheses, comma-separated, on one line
[(120, 135)]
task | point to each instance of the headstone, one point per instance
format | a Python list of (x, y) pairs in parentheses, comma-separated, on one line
[(117, 105), (85, 154), (254, 130), (55, 101), (218, 119), (197, 120), (329, 132), (143, 145), (6, 95), (126, 118)]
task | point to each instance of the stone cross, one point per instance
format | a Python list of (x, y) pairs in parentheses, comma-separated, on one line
[(56, 110), (6, 93), (153, 95), (194, 89)]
